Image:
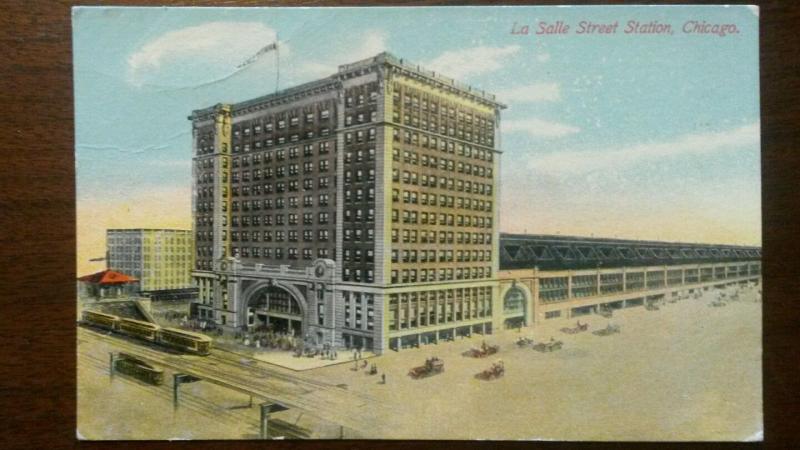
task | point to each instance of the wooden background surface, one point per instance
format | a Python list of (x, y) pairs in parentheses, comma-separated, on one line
[(37, 222)]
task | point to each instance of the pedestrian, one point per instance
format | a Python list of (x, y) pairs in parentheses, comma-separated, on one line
[(383, 378), (335, 356)]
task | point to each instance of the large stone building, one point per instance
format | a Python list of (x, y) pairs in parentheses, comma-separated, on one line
[(358, 209), (161, 259), (550, 277)]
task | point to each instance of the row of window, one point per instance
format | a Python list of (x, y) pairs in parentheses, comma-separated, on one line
[(444, 201), (269, 203), (359, 175), (290, 170), (445, 237), (423, 256), (279, 121), (433, 143), (361, 117), (358, 275), (359, 215), (414, 159), (358, 136), (440, 274), (357, 195), (430, 218), (358, 255), (279, 220), (419, 309), (453, 184), (256, 236), (556, 288), (269, 253)]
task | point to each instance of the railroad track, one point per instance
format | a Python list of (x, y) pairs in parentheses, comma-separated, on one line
[(198, 405), (318, 399)]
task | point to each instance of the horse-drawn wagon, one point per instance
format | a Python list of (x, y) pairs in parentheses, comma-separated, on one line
[(432, 366), (496, 370)]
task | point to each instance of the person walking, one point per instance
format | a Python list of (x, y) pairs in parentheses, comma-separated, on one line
[(383, 378)]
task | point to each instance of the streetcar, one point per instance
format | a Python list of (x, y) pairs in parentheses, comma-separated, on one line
[(185, 340), (100, 320), (137, 368), (138, 328)]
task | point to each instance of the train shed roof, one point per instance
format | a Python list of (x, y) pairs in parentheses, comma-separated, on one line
[(549, 252)]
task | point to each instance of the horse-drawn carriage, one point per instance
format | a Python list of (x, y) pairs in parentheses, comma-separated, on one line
[(496, 370), (717, 304), (551, 346), (524, 341), (482, 352), (605, 312), (432, 366), (607, 331), (579, 327)]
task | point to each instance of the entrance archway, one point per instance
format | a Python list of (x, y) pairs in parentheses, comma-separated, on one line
[(515, 306), (276, 309)]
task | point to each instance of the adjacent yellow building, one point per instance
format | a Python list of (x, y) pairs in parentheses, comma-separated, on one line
[(161, 259)]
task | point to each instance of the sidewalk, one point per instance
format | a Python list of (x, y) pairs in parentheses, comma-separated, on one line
[(286, 358)]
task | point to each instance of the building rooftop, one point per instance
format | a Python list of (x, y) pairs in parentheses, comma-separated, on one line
[(550, 252), (107, 277), (331, 82)]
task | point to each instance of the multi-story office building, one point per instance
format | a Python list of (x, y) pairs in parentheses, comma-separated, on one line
[(161, 259), (358, 209)]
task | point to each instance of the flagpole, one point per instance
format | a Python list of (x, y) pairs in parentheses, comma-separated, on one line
[(277, 64)]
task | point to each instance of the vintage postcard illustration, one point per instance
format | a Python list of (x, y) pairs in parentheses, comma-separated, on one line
[(517, 223)]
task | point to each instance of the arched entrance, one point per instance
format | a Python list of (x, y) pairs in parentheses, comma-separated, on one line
[(276, 309), (515, 307)]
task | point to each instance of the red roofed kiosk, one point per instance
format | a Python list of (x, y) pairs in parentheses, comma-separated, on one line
[(108, 284)]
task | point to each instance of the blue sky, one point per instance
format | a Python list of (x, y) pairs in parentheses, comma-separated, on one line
[(641, 136)]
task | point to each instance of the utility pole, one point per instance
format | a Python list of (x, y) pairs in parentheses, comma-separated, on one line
[(266, 408), (177, 379), (111, 361)]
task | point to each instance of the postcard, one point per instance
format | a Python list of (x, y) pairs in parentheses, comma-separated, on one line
[(505, 223)]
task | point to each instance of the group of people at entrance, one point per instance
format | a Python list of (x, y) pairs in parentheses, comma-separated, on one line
[(268, 340)]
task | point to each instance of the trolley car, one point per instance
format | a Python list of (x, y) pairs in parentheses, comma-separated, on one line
[(100, 320), (174, 338), (185, 340), (139, 329), (135, 367)]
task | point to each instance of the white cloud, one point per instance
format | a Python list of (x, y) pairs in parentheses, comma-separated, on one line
[(372, 43), (530, 93), (367, 45), (214, 48), (466, 62), (581, 162), (538, 128)]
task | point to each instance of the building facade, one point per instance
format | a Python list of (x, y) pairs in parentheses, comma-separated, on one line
[(358, 209), (551, 277), (161, 259)]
